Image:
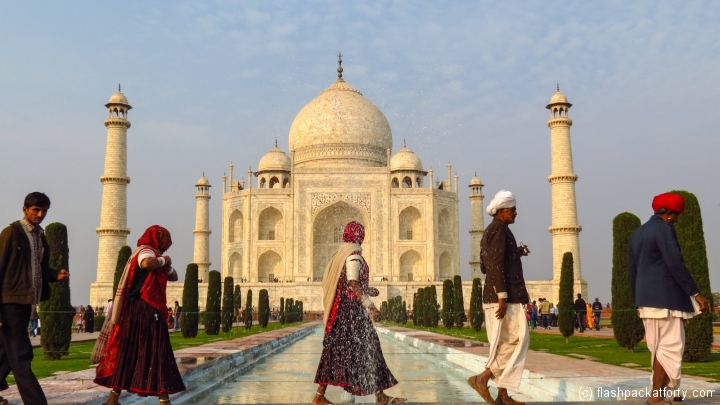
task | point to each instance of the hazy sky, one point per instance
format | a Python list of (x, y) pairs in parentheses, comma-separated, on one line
[(466, 82)]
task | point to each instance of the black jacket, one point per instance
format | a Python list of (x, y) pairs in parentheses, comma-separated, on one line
[(16, 267), (658, 276), (580, 306), (500, 261)]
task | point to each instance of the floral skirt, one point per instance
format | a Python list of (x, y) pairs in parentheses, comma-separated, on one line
[(146, 363), (352, 357)]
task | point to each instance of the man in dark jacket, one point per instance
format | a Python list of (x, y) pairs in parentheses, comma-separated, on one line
[(597, 310), (25, 274), (580, 310), (504, 299), (664, 291)]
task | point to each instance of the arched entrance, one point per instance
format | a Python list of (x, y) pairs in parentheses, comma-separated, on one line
[(270, 266), (411, 266), (328, 228)]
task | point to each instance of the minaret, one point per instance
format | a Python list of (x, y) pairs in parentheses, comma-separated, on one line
[(477, 226), (565, 229), (113, 229), (201, 255)]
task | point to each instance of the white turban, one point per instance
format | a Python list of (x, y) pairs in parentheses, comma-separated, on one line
[(503, 199)]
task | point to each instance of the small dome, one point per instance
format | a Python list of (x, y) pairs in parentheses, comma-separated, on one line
[(476, 181), (558, 98), (118, 98), (405, 159), (275, 160), (203, 181)]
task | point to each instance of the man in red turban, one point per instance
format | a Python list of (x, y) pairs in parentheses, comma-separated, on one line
[(664, 292)]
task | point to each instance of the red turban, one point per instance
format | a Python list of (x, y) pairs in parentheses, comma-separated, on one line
[(671, 202), (354, 233), (157, 237)]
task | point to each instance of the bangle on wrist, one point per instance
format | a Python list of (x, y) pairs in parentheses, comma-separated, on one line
[(366, 302), (161, 260)]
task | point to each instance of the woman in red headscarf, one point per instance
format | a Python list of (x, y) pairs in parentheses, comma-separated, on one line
[(351, 357), (133, 349)]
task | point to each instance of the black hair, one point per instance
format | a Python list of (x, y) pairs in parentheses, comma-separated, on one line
[(37, 199)]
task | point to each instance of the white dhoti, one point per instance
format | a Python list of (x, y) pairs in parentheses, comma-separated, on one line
[(509, 341), (665, 339)]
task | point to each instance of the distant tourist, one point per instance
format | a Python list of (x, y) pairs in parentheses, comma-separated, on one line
[(597, 310), (545, 313), (33, 321), (580, 309), (504, 300), (25, 275), (176, 311), (108, 308), (89, 318), (664, 291), (133, 350), (351, 356), (554, 312)]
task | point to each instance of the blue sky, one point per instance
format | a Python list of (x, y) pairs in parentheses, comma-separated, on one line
[(466, 82)]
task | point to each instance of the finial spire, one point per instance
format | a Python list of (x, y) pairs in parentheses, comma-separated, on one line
[(404, 143), (339, 69), (558, 87), (276, 142)]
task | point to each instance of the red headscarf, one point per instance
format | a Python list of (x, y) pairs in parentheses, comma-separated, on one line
[(156, 237), (671, 202), (354, 233)]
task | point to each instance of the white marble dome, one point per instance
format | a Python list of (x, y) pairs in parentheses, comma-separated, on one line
[(405, 160), (558, 98), (343, 126), (275, 160), (118, 98), (203, 181)]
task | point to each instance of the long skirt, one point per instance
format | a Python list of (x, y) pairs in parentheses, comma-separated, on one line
[(146, 363), (352, 357)]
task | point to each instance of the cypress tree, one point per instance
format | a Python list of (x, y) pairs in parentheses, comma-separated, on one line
[(282, 311), (434, 315), (566, 310), (56, 314), (212, 306), (189, 318), (627, 326), (289, 310), (237, 302), (383, 311), (300, 311), (448, 317), (459, 303), (477, 316), (248, 310), (404, 313), (415, 303), (123, 256), (691, 237), (227, 304), (263, 308), (420, 307)]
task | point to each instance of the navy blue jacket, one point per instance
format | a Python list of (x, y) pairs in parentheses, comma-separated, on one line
[(658, 276)]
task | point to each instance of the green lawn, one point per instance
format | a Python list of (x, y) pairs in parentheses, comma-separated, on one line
[(79, 357), (602, 350)]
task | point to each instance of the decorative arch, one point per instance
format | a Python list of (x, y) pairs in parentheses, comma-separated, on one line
[(273, 181), (328, 227), (263, 182), (286, 182), (411, 224), (418, 182), (235, 226), (411, 266), (407, 182), (270, 225), (270, 266), (235, 266), (446, 270), (444, 225), (395, 183)]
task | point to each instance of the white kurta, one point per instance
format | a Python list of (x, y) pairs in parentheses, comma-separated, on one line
[(509, 342)]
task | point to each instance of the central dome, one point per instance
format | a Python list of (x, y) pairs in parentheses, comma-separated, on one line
[(340, 127)]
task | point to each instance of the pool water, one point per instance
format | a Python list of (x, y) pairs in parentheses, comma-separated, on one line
[(287, 377)]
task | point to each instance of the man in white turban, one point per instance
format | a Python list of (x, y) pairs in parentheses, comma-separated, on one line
[(504, 299)]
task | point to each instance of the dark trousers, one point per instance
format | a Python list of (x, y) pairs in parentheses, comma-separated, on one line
[(581, 321), (16, 353), (597, 320), (546, 320)]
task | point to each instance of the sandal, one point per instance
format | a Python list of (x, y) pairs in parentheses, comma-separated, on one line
[(112, 398), (483, 391), (391, 399), (317, 394), (4, 401)]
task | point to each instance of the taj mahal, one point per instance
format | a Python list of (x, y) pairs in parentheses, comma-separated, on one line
[(281, 226)]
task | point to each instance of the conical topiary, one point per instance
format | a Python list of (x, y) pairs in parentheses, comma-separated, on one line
[(283, 317), (212, 306), (227, 304), (237, 303), (477, 316), (566, 310), (448, 314), (248, 310), (56, 314), (263, 308), (458, 303), (627, 326), (189, 318)]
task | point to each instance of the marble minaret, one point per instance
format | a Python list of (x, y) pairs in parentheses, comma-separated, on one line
[(565, 229), (113, 229), (201, 255), (477, 226)]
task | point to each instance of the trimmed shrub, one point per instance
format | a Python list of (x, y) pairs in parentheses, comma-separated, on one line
[(56, 314), (415, 311), (248, 310), (123, 256), (189, 318), (459, 303), (404, 313), (212, 306), (263, 308), (300, 311), (289, 310), (434, 318), (237, 303), (282, 311), (227, 304), (99, 322), (384, 311), (448, 291), (691, 237), (420, 307), (566, 310), (477, 316), (627, 326)]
